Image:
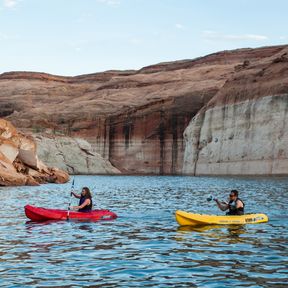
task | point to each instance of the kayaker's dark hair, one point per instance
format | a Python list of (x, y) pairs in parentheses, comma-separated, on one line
[(235, 192), (88, 193)]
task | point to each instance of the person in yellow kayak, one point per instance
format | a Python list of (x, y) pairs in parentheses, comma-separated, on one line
[(235, 205), (85, 202)]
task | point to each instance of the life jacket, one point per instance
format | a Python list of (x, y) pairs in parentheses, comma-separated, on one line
[(232, 207), (87, 208)]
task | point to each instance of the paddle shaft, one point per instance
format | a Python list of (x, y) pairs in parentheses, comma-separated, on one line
[(214, 199), (72, 188)]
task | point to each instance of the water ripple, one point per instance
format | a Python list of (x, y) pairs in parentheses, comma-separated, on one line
[(145, 246)]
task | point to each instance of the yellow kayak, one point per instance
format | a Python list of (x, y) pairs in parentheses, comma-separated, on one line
[(191, 219)]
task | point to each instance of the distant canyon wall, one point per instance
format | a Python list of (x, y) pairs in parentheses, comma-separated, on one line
[(133, 121), (243, 129), (248, 138), (144, 140)]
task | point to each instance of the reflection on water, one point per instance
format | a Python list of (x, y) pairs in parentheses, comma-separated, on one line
[(220, 233), (229, 232), (145, 246), (233, 230)]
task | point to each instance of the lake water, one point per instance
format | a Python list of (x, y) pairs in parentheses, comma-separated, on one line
[(144, 246)]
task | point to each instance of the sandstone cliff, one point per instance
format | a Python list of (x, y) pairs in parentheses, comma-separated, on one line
[(134, 119), (243, 128), (19, 164), (73, 155)]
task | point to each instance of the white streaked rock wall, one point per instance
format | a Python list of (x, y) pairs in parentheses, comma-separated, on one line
[(247, 138)]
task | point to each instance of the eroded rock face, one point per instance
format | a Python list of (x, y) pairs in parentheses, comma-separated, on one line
[(73, 155), (243, 129), (19, 163), (136, 119)]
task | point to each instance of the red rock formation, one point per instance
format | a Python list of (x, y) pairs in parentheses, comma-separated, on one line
[(135, 119), (19, 164)]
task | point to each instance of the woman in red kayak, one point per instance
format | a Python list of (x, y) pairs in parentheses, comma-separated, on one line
[(85, 202)]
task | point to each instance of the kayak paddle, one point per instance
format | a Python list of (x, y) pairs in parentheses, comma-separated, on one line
[(210, 198), (72, 188)]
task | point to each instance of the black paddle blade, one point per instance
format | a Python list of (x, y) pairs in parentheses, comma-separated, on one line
[(209, 198)]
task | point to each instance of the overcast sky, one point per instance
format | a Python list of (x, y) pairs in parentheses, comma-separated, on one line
[(73, 37)]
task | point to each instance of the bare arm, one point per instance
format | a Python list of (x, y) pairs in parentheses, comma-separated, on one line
[(76, 195), (85, 203), (239, 204), (222, 205)]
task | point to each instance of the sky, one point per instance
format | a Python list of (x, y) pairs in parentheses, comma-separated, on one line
[(74, 37)]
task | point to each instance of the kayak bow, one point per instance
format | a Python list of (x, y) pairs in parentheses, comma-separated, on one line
[(43, 214)]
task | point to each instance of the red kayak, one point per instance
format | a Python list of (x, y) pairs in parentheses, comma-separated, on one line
[(44, 214)]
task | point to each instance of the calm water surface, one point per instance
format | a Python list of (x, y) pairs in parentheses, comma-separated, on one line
[(144, 246)]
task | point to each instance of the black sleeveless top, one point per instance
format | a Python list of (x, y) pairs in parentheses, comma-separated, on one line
[(232, 208), (87, 208)]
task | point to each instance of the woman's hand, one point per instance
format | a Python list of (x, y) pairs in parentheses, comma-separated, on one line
[(75, 195)]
